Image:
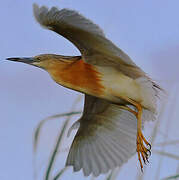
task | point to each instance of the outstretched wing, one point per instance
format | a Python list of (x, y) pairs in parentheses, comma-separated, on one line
[(87, 37), (106, 138)]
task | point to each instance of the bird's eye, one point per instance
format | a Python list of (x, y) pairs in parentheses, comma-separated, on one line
[(37, 58)]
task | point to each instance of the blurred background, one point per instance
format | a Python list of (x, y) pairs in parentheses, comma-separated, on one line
[(148, 31)]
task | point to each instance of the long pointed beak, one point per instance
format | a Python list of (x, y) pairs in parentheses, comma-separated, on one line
[(29, 60)]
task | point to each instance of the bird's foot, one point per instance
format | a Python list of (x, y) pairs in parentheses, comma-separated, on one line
[(143, 149)]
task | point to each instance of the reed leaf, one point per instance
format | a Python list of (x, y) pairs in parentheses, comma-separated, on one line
[(52, 158), (42, 122), (171, 177), (60, 173), (168, 143), (170, 155), (58, 143), (113, 174)]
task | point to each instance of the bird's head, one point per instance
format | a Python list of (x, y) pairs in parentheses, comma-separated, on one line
[(46, 61)]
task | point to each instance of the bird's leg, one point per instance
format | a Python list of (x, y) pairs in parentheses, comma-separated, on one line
[(143, 146), (128, 109), (142, 150)]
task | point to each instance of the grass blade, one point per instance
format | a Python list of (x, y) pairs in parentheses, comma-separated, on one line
[(58, 143), (172, 177), (173, 142), (109, 176), (113, 174), (171, 97), (40, 125), (59, 140), (60, 173), (170, 155)]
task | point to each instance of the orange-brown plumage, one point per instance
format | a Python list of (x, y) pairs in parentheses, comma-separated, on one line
[(77, 75)]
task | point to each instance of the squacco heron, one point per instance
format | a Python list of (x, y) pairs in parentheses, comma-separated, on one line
[(119, 96)]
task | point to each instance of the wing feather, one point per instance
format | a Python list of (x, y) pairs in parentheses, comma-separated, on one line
[(85, 160), (77, 164), (106, 137), (95, 48), (103, 139)]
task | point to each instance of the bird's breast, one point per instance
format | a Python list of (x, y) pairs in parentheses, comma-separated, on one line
[(79, 76)]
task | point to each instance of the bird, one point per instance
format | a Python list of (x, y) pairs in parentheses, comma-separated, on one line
[(119, 95)]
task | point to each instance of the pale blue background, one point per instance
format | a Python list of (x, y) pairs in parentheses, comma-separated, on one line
[(147, 30)]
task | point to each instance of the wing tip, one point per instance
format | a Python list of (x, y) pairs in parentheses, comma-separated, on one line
[(40, 13), (44, 15), (35, 9)]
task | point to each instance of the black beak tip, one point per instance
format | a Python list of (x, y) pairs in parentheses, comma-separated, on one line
[(23, 60), (12, 59)]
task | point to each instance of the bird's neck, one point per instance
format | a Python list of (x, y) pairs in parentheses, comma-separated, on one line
[(77, 75)]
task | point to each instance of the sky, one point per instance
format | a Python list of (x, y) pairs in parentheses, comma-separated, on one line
[(148, 31)]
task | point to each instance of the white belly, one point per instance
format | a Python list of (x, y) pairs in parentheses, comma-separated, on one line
[(119, 86)]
